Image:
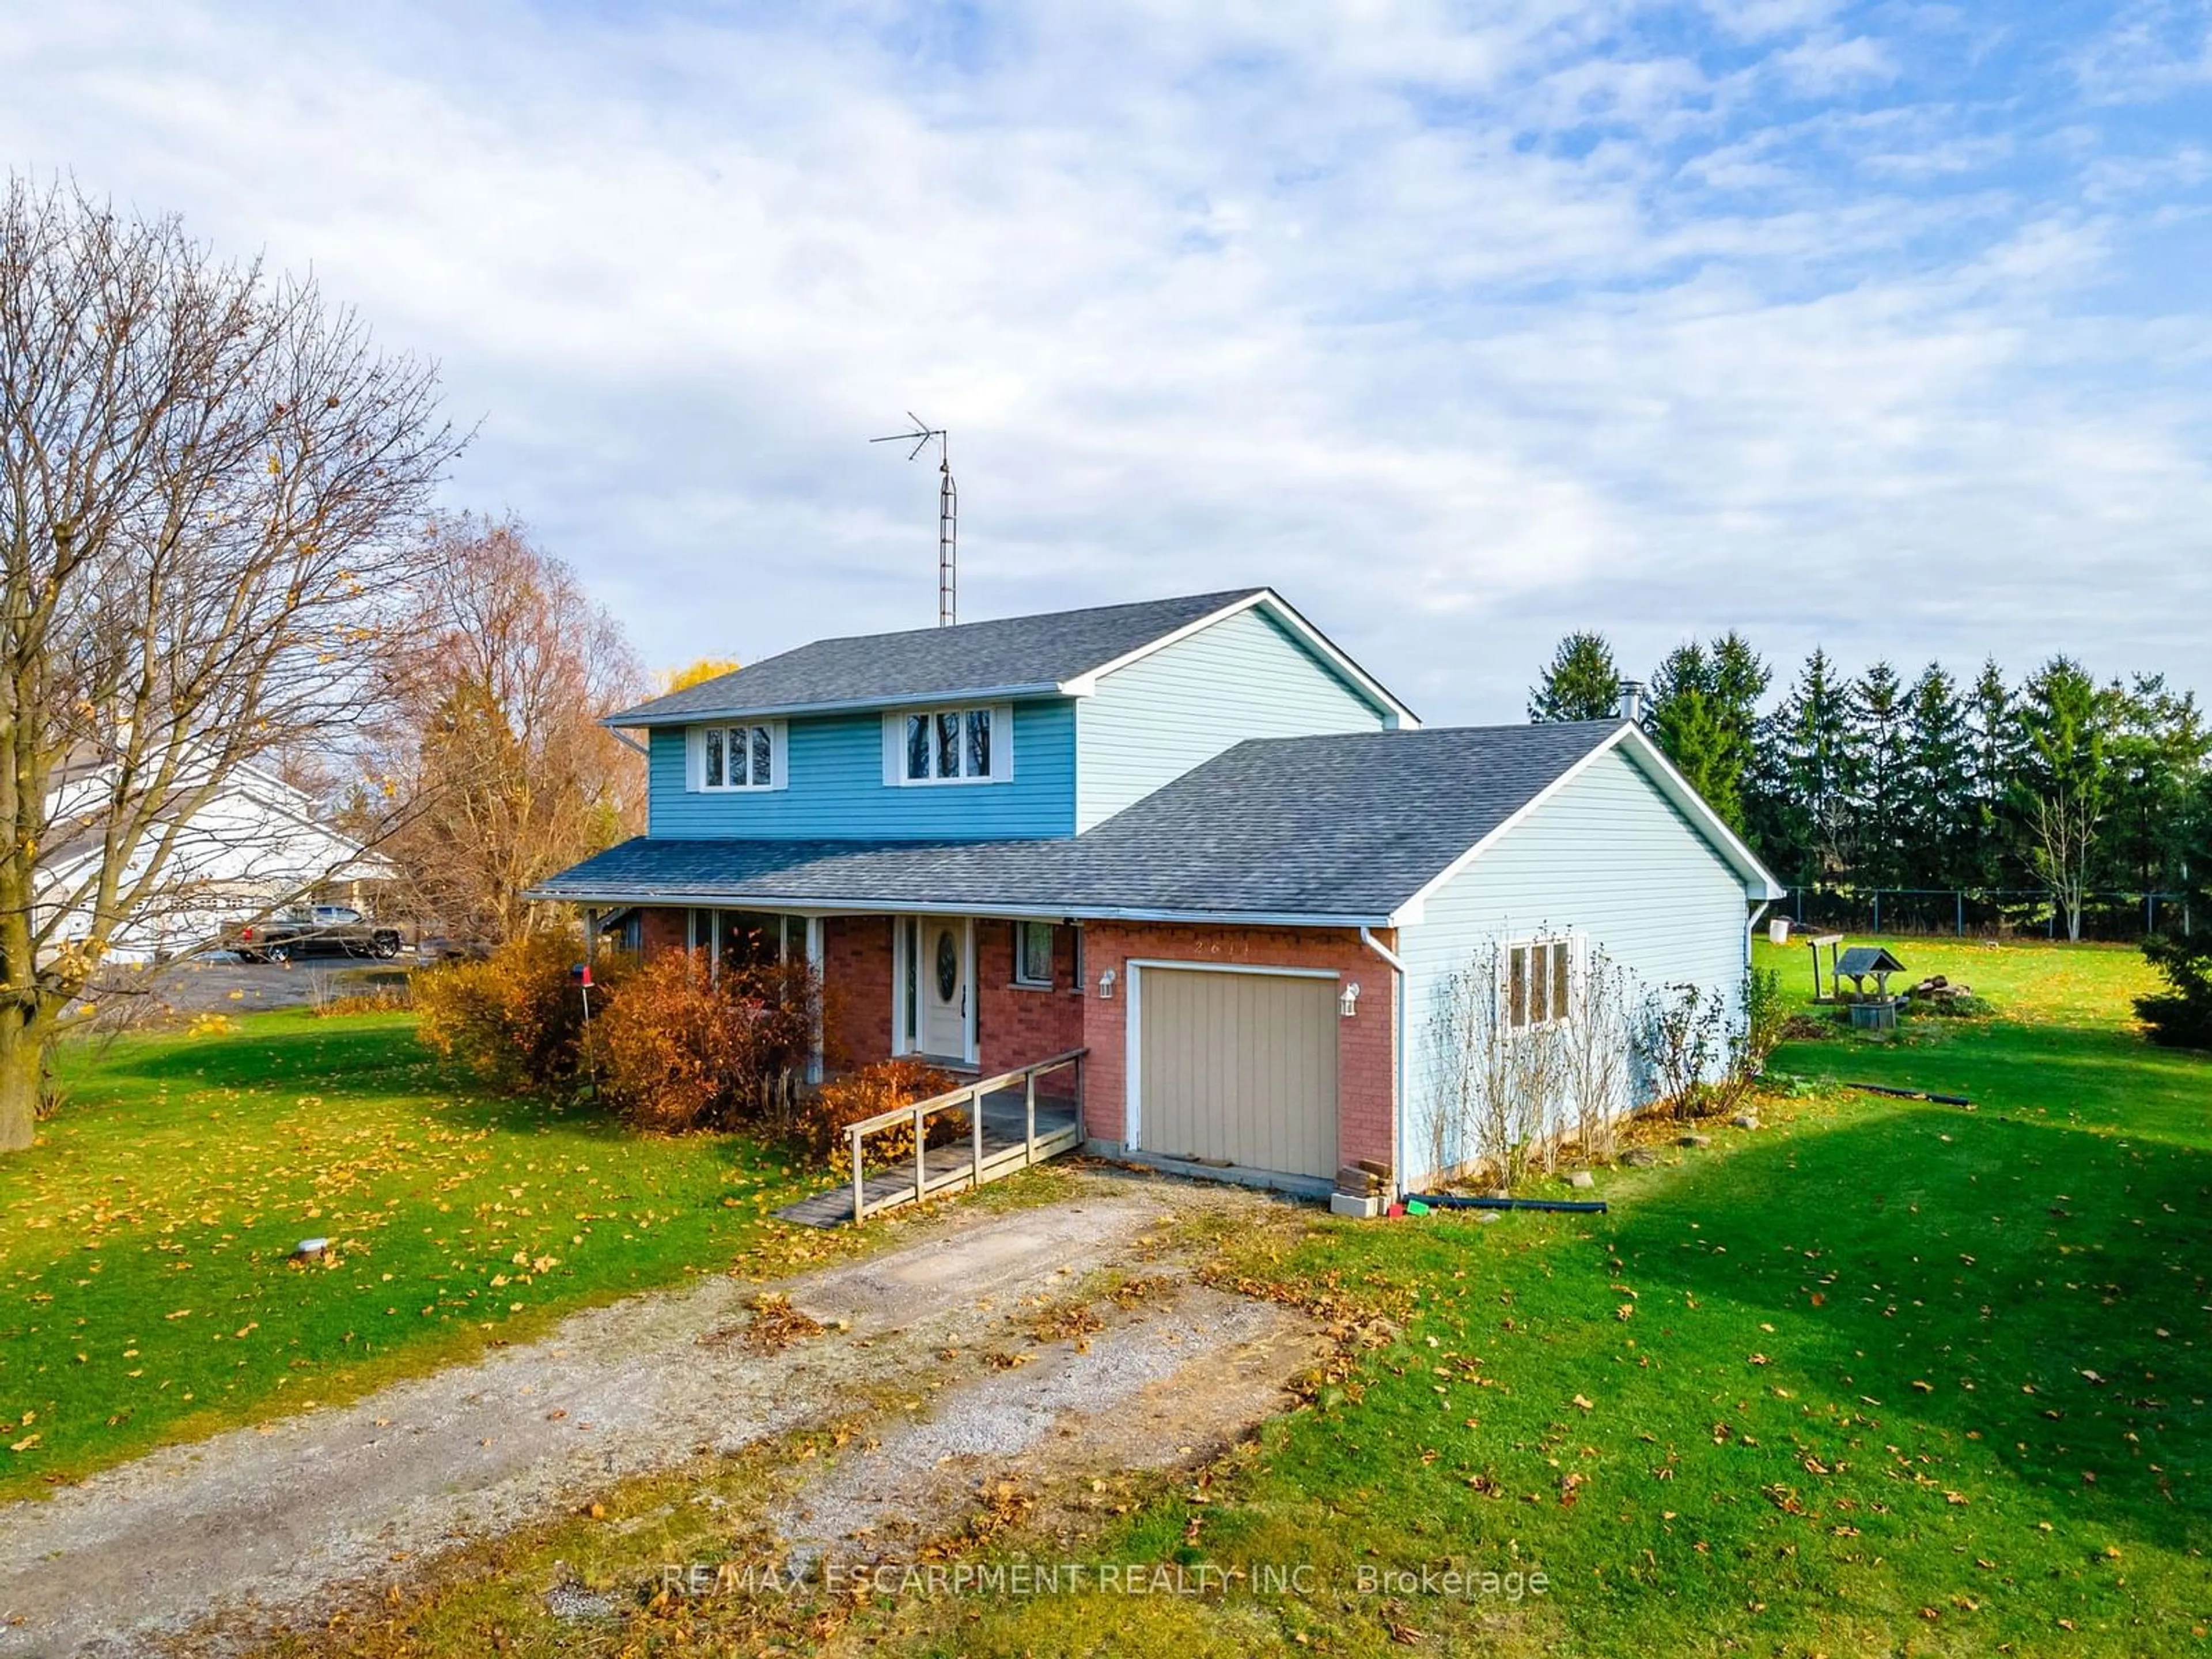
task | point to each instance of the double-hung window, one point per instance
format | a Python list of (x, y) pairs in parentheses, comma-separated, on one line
[(1539, 977), (949, 745), (1033, 953), (748, 756)]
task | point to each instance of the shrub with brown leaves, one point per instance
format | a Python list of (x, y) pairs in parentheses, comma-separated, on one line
[(681, 1049), (879, 1088), (516, 1018)]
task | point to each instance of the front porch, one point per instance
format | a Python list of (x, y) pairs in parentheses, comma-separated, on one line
[(971, 994)]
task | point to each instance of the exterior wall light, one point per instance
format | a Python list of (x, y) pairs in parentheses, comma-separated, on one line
[(1348, 1004), (1106, 985)]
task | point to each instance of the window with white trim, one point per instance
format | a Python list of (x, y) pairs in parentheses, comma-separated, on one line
[(949, 745), (1540, 979), (1033, 953), (724, 758)]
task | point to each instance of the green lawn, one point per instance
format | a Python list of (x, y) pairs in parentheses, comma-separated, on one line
[(1881, 1378), (145, 1293)]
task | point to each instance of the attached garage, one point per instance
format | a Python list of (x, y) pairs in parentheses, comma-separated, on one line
[(1236, 1066)]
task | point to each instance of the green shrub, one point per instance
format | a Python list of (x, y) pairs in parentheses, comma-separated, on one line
[(2180, 1017)]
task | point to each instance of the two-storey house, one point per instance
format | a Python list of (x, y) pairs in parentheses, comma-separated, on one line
[(1190, 836)]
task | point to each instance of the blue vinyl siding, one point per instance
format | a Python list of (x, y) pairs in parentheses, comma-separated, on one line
[(836, 789), (1245, 677), (1609, 858)]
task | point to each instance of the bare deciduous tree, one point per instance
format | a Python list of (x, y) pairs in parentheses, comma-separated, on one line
[(1596, 1058), (494, 750), (204, 473), (1498, 1094)]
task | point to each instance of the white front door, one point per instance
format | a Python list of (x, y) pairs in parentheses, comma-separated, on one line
[(943, 988)]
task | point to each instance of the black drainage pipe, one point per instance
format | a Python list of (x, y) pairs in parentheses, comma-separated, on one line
[(1909, 1094), (1569, 1207)]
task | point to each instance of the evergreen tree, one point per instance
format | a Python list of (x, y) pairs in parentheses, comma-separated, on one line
[(2157, 745), (1937, 815), (1688, 724), (1807, 779), (1878, 718), (2181, 1015), (1705, 715), (1582, 682), (1993, 739), (1739, 679), (2060, 789)]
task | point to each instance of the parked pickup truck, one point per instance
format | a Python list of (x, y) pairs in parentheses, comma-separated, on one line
[(333, 930)]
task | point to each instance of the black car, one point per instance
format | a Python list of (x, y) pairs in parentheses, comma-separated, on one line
[(330, 930)]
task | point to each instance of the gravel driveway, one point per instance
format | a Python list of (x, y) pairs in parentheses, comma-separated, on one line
[(262, 1524)]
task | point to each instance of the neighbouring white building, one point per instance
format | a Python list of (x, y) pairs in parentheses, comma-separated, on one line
[(254, 845)]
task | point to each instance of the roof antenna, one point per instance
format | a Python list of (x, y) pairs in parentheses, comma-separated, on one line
[(948, 513)]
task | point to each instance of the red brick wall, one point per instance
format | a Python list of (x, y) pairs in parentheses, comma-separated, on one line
[(1015, 1023), (1366, 1043), (856, 990)]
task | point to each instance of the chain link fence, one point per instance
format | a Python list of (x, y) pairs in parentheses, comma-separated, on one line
[(1986, 912)]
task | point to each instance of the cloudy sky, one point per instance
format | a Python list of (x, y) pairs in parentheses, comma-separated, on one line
[(1883, 326)]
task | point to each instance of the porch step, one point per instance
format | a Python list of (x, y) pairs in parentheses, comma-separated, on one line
[(950, 1167)]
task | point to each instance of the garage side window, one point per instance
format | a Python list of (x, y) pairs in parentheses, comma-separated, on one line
[(1539, 988)]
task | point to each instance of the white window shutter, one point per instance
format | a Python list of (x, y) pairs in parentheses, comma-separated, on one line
[(695, 749), (894, 750), (1002, 743), (778, 755)]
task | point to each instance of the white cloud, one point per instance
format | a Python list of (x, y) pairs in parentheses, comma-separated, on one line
[(1461, 332)]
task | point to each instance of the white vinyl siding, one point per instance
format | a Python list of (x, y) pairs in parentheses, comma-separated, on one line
[(1610, 863), (1243, 677)]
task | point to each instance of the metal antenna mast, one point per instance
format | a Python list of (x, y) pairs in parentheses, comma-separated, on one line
[(948, 512)]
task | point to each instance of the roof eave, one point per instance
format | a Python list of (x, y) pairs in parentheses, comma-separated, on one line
[(633, 893), (640, 718)]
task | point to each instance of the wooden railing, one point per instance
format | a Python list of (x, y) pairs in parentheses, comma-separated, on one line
[(980, 1166)]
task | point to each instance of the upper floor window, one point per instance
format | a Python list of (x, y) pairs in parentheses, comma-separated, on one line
[(736, 756), (1538, 983), (949, 745)]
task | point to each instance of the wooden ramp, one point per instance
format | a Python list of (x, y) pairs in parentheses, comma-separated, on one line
[(1011, 1124)]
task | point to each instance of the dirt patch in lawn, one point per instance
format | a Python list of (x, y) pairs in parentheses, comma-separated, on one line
[(214, 1543)]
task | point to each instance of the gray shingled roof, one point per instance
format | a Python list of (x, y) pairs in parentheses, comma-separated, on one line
[(1014, 655), (1343, 828)]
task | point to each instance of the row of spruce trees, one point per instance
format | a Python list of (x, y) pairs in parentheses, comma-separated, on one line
[(2058, 784)]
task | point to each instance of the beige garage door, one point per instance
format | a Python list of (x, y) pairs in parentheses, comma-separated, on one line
[(1238, 1067)]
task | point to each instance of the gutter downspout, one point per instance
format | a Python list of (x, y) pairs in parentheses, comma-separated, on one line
[(1751, 930), (1397, 1059)]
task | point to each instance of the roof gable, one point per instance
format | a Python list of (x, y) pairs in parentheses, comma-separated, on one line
[(1648, 759), (1010, 656)]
